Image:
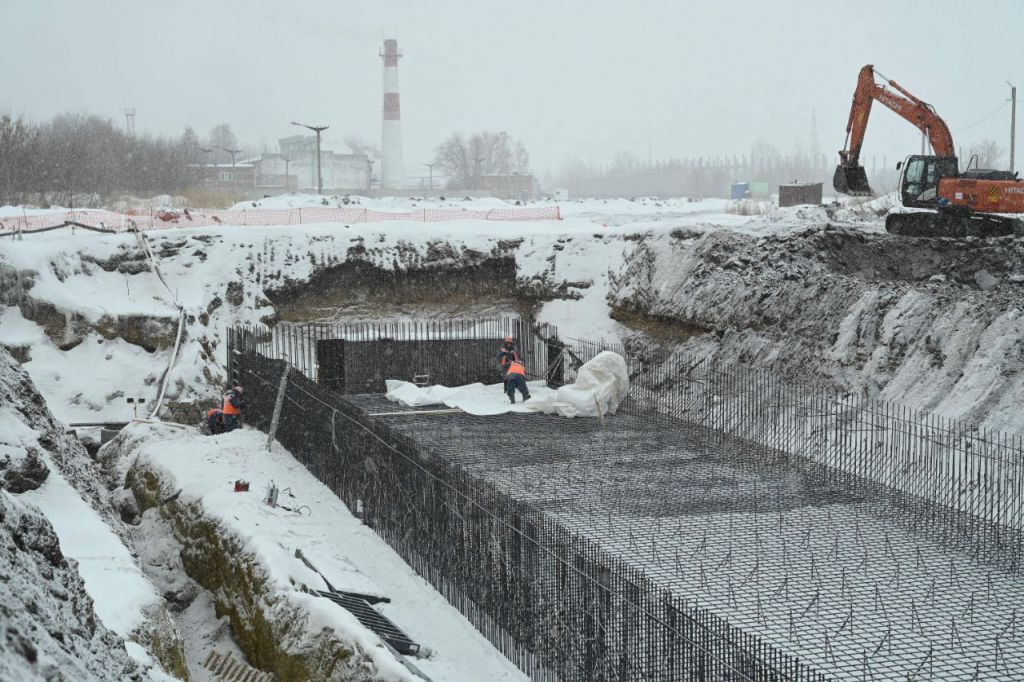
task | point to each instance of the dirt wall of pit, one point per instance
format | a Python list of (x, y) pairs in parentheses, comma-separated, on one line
[(936, 324)]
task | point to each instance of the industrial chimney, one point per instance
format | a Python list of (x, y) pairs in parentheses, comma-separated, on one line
[(391, 125)]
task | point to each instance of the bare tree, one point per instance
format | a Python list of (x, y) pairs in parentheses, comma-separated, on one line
[(19, 167), (85, 159), (763, 154), (466, 160), (989, 153), (624, 163), (574, 169), (222, 136)]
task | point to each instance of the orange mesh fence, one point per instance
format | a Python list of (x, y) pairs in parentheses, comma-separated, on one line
[(109, 221)]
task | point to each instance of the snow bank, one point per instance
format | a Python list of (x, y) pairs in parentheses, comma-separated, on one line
[(121, 594), (95, 327), (601, 384), (71, 295), (350, 555)]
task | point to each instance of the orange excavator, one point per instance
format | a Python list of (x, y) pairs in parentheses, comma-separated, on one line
[(936, 198)]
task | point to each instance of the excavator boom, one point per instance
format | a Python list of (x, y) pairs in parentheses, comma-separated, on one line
[(850, 177)]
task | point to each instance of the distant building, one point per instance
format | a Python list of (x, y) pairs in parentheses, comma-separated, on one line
[(293, 169), (514, 186), (226, 178), (298, 146), (341, 172), (273, 174)]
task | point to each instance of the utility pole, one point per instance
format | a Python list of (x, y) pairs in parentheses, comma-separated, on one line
[(206, 162), (317, 130), (430, 166), (477, 162), (129, 121), (234, 178), (1013, 122), (287, 184)]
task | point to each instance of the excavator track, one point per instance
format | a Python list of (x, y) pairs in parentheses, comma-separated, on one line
[(951, 225)]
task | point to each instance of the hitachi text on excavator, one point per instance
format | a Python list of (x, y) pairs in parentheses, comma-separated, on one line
[(936, 198)]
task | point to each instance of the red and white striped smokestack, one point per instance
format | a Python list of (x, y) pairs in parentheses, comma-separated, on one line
[(391, 125)]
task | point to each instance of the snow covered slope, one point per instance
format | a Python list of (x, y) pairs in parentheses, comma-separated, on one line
[(265, 539), (930, 323), (935, 324), (50, 628), (91, 303), (99, 601)]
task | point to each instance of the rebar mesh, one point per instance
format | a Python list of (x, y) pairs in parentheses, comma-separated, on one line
[(790, 531)]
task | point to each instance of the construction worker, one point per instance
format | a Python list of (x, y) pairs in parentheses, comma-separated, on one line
[(506, 355), (515, 378), (215, 420), (233, 406)]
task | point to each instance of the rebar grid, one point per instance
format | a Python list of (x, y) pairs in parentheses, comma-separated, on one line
[(819, 572), (554, 602), (868, 540)]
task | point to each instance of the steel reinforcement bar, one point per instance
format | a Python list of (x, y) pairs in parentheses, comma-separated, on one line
[(948, 479), (553, 601)]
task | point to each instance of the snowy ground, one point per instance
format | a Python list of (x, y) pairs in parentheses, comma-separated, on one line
[(350, 555), (768, 297), (103, 277), (601, 384)]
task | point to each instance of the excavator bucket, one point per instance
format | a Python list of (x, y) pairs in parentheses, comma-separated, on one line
[(851, 180)]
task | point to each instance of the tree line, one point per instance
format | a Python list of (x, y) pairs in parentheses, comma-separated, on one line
[(88, 159), (699, 177), (465, 159)]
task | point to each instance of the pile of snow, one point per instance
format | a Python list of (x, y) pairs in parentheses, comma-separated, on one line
[(601, 384), (345, 552)]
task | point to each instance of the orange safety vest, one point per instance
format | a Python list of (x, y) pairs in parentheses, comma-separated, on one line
[(517, 368), (228, 407)]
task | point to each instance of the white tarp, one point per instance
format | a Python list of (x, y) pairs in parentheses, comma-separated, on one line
[(601, 384)]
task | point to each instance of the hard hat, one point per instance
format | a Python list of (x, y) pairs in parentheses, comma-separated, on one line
[(237, 389), (508, 339)]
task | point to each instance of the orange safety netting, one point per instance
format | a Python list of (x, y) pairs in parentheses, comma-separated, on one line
[(109, 221)]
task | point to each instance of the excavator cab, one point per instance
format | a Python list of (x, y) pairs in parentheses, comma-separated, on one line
[(851, 180), (919, 179)]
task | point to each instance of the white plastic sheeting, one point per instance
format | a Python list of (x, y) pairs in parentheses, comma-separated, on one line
[(601, 384)]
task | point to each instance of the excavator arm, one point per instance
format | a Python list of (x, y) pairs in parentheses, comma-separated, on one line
[(850, 176)]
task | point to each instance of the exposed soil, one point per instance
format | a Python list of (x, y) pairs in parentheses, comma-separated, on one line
[(357, 288)]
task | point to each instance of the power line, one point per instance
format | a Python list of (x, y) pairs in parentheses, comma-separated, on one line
[(1003, 106)]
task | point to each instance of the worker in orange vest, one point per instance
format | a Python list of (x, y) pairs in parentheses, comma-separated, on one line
[(515, 379), (215, 420), (507, 354), (233, 406)]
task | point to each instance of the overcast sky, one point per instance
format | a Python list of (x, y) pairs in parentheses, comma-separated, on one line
[(585, 79)]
